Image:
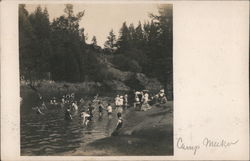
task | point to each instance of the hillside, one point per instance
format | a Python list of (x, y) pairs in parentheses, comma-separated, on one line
[(127, 80)]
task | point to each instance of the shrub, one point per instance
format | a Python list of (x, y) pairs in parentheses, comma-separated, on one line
[(126, 64)]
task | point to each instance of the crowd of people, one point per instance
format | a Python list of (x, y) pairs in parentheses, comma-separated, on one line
[(140, 101)]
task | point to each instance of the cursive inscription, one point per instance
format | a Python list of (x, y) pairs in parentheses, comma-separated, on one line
[(182, 145), (218, 144), (206, 142)]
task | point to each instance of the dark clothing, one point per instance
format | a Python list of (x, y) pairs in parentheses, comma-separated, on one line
[(88, 118), (119, 114), (140, 97), (91, 108), (100, 108), (119, 124), (67, 115)]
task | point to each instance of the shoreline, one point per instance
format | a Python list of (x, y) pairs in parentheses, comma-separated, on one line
[(151, 133)]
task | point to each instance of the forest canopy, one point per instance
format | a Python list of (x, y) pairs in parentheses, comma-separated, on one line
[(58, 50)]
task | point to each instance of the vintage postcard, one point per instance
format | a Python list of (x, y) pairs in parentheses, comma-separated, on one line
[(124, 80)]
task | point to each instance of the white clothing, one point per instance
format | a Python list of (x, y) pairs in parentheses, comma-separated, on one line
[(120, 101), (117, 101), (146, 97), (84, 115), (162, 94), (75, 106), (109, 109)]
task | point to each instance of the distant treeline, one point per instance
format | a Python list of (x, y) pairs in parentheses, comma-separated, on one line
[(59, 47)]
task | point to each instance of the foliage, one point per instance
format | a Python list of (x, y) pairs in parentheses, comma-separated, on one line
[(59, 47), (126, 64), (110, 44)]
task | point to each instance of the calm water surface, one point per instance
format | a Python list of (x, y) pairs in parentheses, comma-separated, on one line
[(51, 134)]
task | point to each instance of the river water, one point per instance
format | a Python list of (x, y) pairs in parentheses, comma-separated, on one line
[(51, 134)]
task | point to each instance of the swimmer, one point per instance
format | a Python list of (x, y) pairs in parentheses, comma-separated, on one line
[(74, 105), (67, 114), (38, 111), (86, 118)]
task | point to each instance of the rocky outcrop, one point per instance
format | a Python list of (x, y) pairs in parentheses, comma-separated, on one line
[(124, 80), (148, 83), (120, 75)]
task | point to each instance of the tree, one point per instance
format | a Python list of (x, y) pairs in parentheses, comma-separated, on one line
[(30, 59), (110, 44), (132, 33), (94, 41), (41, 29), (138, 37), (164, 44), (123, 41), (68, 45)]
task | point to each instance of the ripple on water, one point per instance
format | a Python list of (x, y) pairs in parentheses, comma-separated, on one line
[(50, 134)]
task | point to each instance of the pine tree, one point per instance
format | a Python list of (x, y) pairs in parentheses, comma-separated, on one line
[(123, 41), (68, 44), (132, 33), (94, 41), (110, 44), (139, 35)]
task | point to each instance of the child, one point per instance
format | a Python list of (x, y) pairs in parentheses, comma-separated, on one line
[(86, 117), (119, 111), (91, 110), (119, 123), (137, 103), (74, 105), (38, 111), (109, 109), (125, 101), (118, 126), (117, 101), (67, 114), (100, 106), (121, 101)]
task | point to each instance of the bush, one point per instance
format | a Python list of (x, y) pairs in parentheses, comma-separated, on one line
[(126, 64)]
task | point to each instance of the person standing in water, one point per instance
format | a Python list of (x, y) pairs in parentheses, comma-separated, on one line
[(91, 110), (86, 118), (100, 107), (38, 111), (67, 114), (119, 123), (109, 109), (117, 98), (74, 105), (119, 111), (118, 126), (125, 101)]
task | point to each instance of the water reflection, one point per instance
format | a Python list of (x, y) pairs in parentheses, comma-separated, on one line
[(51, 134)]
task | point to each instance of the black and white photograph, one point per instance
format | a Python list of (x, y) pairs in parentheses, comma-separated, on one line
[(96, 79)]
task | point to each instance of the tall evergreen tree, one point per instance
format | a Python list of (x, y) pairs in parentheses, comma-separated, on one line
[(110, 44), (94, 41), (67, 47), (132, 33), (41, 28), (123, 41), (139, 35)]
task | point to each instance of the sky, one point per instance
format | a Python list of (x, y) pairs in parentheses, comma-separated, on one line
[(99, 19)]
